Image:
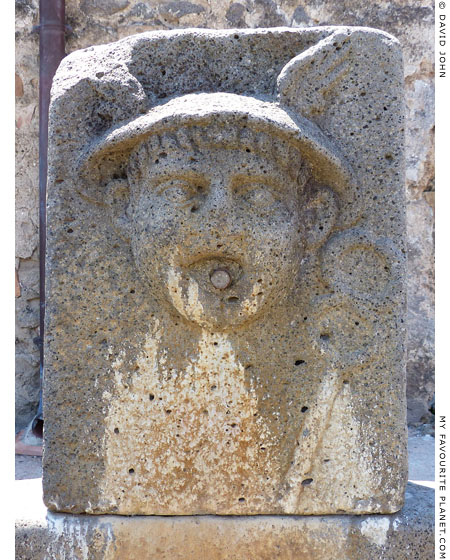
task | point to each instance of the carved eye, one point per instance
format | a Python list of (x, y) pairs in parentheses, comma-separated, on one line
[(177, 191), (257, 194)]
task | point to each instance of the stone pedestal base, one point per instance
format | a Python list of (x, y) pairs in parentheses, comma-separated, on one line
[(408, 534)]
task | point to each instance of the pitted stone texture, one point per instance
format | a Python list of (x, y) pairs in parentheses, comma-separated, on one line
[(407, 535), (284, 392), (417, 39), (32, 540)]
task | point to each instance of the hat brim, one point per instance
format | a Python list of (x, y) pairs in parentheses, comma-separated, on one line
[(327, 164)]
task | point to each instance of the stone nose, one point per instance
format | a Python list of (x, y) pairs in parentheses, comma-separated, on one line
[(215, 228), (216, 215)]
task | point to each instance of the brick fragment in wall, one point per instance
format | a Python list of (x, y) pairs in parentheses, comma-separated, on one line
[(18, 86), (26, 116), (17, 290)]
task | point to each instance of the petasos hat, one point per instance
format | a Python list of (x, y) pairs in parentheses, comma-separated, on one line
[(227, 113)]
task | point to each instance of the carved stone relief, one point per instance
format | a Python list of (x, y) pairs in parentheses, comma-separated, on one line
[(237, 325)]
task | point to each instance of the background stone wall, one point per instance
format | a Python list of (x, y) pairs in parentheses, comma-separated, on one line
[(103, 21)]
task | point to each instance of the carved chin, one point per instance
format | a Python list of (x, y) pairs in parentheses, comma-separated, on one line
[(217, 293)]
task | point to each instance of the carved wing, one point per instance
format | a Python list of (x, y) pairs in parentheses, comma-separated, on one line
[(308, 79)]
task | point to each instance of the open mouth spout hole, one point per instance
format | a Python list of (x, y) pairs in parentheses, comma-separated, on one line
[(221, 278)]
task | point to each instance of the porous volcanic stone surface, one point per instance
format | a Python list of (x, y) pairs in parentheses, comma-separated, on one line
[(94, 23), (276, 156), (407, 535)]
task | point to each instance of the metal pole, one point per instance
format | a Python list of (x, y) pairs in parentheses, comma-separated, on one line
[(51, 52)]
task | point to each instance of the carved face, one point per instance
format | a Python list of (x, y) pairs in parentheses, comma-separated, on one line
[(216, 232)]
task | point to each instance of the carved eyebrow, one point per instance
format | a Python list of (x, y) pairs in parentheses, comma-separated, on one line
[(192, 179), (272, 180)]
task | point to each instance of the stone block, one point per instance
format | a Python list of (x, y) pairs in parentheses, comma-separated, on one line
[(225, 275), (407, 535)]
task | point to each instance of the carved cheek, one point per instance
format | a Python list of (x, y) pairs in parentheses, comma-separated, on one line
[(154, 217), (276, 226), (153, 229)]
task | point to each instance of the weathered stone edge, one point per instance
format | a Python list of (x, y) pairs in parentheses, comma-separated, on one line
[(407, 534)]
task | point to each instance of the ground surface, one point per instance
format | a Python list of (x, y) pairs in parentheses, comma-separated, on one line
[(421, 458), (28, 467)]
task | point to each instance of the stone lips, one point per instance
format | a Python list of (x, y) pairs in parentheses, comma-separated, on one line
[(327, 164)]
